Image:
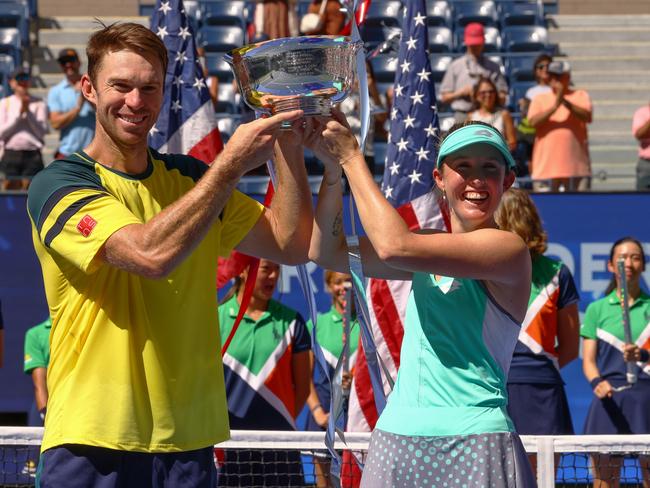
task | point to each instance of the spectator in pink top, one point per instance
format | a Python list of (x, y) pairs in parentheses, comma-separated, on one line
[(561, 151), (641, 130), (23, 125)]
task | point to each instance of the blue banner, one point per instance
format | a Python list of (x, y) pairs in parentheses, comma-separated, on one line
[(580, 227)]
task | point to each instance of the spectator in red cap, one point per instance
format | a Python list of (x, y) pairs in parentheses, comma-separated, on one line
[(464, 72)]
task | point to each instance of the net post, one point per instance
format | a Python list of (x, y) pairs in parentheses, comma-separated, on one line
[(545, 462)]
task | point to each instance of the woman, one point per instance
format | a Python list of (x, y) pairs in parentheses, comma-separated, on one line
[(267, 371), (469, 294), (330, 337), (488, 111), (549, 338), (604, 353)]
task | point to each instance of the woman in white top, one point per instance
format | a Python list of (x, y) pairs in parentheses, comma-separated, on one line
[(488, 111)]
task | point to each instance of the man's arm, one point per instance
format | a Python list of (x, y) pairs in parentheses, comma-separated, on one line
[(59, 120), (155, 248), (643, 130), (283, 232), (39, 378)]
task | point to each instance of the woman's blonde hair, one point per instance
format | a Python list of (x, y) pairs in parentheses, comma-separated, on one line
[(517, 213)]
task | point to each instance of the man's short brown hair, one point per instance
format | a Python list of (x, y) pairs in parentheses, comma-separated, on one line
[(123, 36)]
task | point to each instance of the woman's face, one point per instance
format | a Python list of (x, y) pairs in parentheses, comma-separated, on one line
[(473, 180), (486, 96), (541, 72), (336, 286), (633, 258), (266, 281)]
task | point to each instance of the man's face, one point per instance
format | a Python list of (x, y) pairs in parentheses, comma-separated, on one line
[(127, 94), (70, 65)]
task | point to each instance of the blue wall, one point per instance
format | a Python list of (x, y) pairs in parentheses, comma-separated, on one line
[(581, 228)]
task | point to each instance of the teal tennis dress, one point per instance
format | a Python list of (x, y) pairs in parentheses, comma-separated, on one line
[(446, 423)]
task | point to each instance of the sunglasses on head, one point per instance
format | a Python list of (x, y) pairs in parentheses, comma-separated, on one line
[(22, 77), (67, 59), (542, 66)]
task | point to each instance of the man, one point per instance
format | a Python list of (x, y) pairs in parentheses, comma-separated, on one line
[(23, 125), (37, 357), (641, 131), (128, 240), (463, 73), (561, 150), (69, 111)]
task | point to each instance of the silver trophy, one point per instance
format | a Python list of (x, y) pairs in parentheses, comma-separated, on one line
[(309, 73)]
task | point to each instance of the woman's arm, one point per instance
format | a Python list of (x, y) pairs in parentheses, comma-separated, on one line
[(301, 378), (601, 387), (568, 334), (509, 129)]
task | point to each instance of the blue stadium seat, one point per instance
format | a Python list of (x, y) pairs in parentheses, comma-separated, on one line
[(521, 12), (233, 12), (384, 13), (439, 13), (217, 66), (373, 35), (525, 38), (384, 68), (520, 68), (517, 91), (440, 40), (10, 44), (7, 64), (15, 14), (492, 40), (439, 65), (220, 38), (483, 11)]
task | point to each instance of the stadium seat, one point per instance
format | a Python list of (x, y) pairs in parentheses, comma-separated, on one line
[(521, 12), (517, 91), (483, 11), (374, 35), (7, 64), (440, 40), (492, 40), (220, 37), (525, 38), (10, 44), (217, 66), (384, 68), (439, 65), (233, 12), (386, 13), (227, 93), (520, 68), (439, 13), (15, 14)]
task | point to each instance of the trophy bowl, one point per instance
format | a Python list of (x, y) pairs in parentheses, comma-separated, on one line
[(309, 73)]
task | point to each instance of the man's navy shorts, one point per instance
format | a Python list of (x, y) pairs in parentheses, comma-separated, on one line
[(79, 466)]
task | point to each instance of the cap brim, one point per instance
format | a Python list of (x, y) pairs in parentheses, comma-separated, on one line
[(460, 139)]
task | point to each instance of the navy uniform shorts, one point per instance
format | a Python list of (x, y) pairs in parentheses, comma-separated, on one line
[(79, 466)]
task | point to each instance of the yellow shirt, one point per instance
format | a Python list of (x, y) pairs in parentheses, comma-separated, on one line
[(135, 363)]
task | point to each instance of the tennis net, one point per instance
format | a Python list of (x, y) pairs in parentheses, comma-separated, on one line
[(300, 458)]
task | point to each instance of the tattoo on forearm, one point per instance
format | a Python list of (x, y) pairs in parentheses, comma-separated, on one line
[(337, 225)]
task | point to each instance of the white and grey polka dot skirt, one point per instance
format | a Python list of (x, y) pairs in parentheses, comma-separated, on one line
[(495, 460)]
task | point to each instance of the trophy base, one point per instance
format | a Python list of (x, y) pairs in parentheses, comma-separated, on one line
[(309, 105)]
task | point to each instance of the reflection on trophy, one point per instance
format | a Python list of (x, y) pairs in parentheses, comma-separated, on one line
[(309, 73)]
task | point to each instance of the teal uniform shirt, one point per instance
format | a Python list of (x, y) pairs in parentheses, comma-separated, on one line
[(37, 346), (455, 356)]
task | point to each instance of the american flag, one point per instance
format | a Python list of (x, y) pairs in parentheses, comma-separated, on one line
[(408, 185), (187, 123)]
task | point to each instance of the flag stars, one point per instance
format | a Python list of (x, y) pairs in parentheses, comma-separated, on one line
[(394, 168), (162, 32), (405, 66), (154, 130), (176, 105), (422, 154), (184, 32), (178, 81), (419, 19), (415, 177), (199, 83), (411, 43), (180, 57), (398, 90), (431, 131), (424, 75), (417, 98), (408, 121), (401, 145), (164, 8), (393, 113), (388, 192)]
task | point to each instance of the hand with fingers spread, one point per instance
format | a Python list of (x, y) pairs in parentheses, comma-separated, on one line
[(252, 143)]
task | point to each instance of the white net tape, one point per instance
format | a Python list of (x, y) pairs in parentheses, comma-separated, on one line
[(571, 461)]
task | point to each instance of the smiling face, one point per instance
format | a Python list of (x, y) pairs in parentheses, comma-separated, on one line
[(337, 284), (266, 280), (634, 264), (486, 95), (127, 96), (473, 179)]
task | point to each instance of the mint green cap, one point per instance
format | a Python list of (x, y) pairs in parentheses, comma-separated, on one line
[(473, 134)]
